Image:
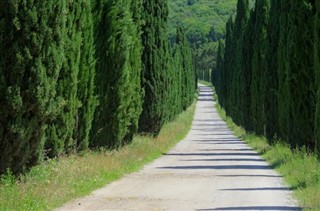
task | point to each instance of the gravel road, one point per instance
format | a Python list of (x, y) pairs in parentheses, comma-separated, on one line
[(210, 169)]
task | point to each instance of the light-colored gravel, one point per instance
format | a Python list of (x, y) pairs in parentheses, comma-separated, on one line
[(209, 170)]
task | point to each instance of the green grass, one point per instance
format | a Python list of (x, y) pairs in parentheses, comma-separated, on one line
[(300, 169), (55, 182)]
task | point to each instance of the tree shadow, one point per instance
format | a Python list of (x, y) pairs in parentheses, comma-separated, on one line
[(217, 134), (212, 154), (212, 150), (249, 175), (226, 159), (218, 140), (255, 208), (216, 124), (258, 189), (199, 99), (223, 167), (208, 120)]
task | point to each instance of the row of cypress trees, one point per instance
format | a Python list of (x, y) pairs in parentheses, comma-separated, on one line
[(78, 74), (267, 74)]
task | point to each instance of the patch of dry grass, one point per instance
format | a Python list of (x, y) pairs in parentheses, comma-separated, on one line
[(55, 182)]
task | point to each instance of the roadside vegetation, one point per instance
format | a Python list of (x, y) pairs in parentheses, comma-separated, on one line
[(299, 167), (85, 75), (56, 181)]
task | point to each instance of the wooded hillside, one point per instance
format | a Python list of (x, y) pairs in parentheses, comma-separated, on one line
[(204, 22)]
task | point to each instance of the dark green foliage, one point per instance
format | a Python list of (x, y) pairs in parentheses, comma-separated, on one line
[(70, 129), (268, 82), (283, 107), (31, 56), (155, 59), (258, 76), (85, 94), (247, 53), (191, 2), (228, 59), (317, 74), (270, 64), (217, 73), (169, 84), (60, 129), (299, 68), (60, 60), (118, 50), (188, 73), (238, 80)]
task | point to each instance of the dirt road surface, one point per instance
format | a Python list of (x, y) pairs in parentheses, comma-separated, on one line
[(209, 170)]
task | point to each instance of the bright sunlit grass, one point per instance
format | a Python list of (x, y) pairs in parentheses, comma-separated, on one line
[(55, 182)]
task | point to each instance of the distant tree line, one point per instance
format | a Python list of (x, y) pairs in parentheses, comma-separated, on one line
[(85, 74), (205, 25), (268, 70)]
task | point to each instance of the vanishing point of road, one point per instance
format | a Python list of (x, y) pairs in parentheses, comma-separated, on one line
[(210, 169)]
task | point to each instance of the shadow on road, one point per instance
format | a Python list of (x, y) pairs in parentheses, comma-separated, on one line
[(227, 159), (258, 189), (212, 154), (249, 175), (255, 208), (222, 167)]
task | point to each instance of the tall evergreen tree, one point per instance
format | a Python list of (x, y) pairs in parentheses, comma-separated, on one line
[(117, 74), (60, 129), (283, 105), (247, 54), (258, 80), (187, 69), (270, 65), (317, 74), (228, 66), (155, 64), (299, 69), (218, 74), (33, 34), (70, 129), (239, 80), (85, 94)]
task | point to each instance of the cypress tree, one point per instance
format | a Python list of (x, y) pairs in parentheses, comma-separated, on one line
[(177, 82), (155, 64), (258, 80), (300, 94), (60, 129), (228, 66), (283, 106), (239, 80), (33, 33), (317, 75), (270, 67), (247, 54), (187, 69), (85, 94), (70, 129), (135, 63), (218, 77), (117, 74)]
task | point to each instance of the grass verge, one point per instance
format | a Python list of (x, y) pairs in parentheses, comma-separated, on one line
[(300, 169), (55, 182)]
